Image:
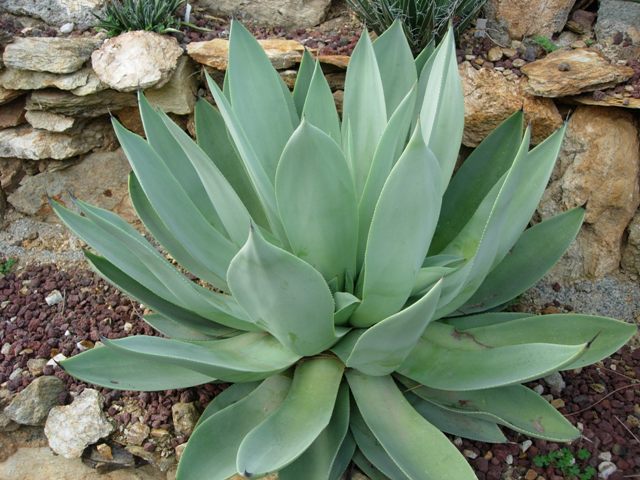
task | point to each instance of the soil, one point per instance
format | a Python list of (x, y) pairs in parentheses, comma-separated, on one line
[(603, 399)]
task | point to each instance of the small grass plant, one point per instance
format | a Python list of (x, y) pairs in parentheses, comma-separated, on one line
[(7, 265), (571, 466)]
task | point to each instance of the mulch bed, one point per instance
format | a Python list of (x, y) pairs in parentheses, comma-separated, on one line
[(604, 399)]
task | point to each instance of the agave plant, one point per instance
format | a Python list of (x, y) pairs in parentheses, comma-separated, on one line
[(349, 285)]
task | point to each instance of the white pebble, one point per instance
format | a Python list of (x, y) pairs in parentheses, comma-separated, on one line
[(53, 298), (605, 456), (470, 454), (58, 358), (524, 446), (539, 389), (67, 28), (5, 348), (127, 327), (457, 442), (15, 374), (509, 459), (606, 469), (580, 426)]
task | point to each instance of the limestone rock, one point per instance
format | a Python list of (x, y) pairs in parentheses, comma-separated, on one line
[(65, 103), (71, 428), (214, 53), (618, 16), (286, 13), (33, 144), (100, 179), (631, 253), (93, 85), (41, 463), (50, 121), (137, 433), (12, 114), (31, 406), (607, 101), (178, 95), (570, 72), (8, 95), (49, 54), (136, 60), (57, 12), (13, 79), (340, 61), (185, 416), (524, 18), (598, 167), (490, 98)]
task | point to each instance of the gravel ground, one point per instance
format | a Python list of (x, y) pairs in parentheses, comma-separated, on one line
[(603, 399)]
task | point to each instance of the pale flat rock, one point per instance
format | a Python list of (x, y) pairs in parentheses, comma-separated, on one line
[(32, 405), (136, 60), (49, 54), (571, 72), (94, 105), (525, 18), (178, 95), (607, 101), (99, 179), (57, 12), (14, 79), (8, 95), (618, 16), (286, 13), (215, 53), (41, 463), (50, 121), (71, 428), (93, 85), (33, 144), (598, 168), (490, 98), (340, 61)]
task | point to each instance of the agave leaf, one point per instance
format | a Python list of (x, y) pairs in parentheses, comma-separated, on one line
[(173, 157), (317, 461), (424, 56), (243, 358), (174, 207), (258, 99), (345, 306), (213, 305), (278, 291), (320, 106), (367, 467), (388, 151), (483, 319), (442, 112), (515, 406), (262, 183), (212, 455), (450, 360), (397, 67), (455, 423), (232, 212), (400, 232), (173, 329), (313, 182), (343, 458), (382, 348), (476, 177), (372, 451), (185, 317), (363, 110), (167, 239), (214, 138), (603, 335), (229, 396), (540, 162), (120, 371), (420, 450), (428, 276), (285, 435), (545, 242), (303, 80)]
